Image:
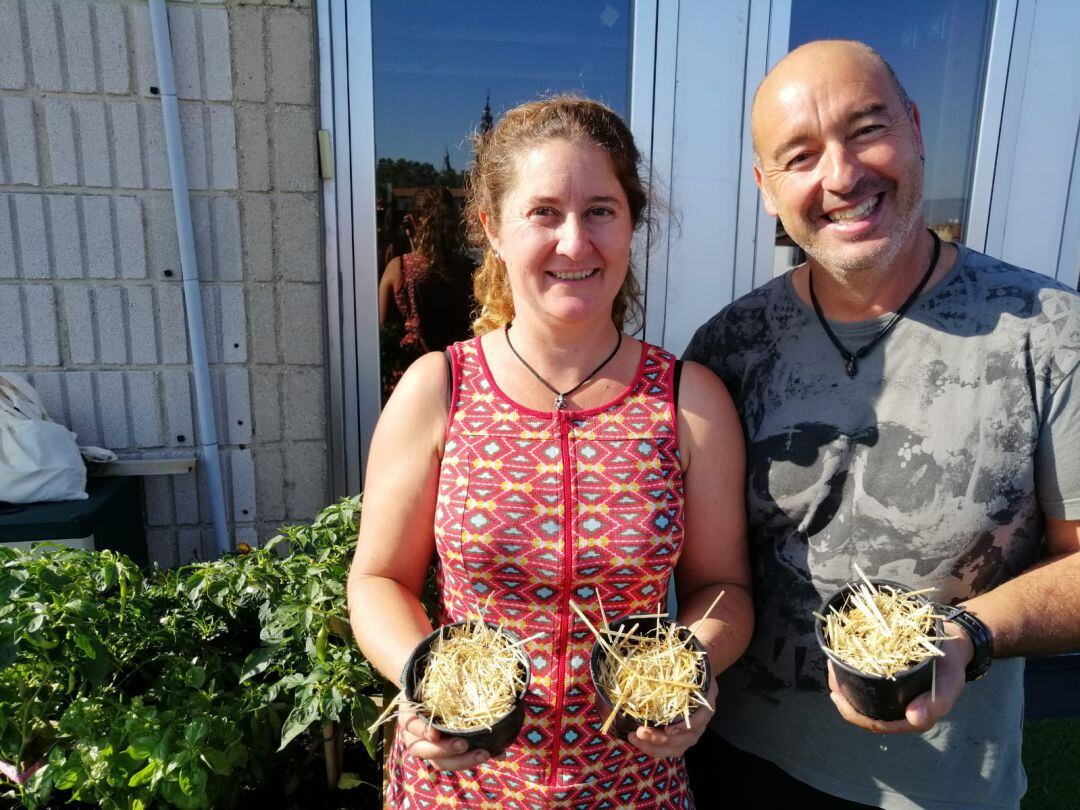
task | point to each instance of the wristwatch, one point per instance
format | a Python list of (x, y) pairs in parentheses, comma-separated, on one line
[(981, 638)]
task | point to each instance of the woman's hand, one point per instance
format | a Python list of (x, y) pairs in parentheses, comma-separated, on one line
[(445, 753), (676, 738)]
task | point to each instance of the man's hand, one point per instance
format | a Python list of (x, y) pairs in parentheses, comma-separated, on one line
[(424, 742), (676, 738), (923, 712)]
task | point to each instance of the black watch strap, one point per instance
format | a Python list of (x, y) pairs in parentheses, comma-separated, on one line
[(981, 638)]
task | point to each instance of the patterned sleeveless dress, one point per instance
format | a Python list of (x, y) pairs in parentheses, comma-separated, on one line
[(535, 510)]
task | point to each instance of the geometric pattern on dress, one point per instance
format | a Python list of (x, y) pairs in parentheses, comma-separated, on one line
[(536, 509)]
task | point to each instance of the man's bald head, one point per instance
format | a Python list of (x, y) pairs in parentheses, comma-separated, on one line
[(806, 58)]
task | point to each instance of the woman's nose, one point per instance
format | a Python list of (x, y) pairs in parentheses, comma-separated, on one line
[(573, 238)]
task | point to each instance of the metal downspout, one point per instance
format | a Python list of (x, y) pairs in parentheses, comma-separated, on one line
[(204, 398)]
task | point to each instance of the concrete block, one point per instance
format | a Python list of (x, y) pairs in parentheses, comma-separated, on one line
[(97, 231), (12, 50), (307, 477), (202, 234), (242, 470), (161, 231), (270, 482), (127, 144), (216, 50), (144, 409), (65, 220), (158, 499), (253, 148), (42, 26), (50, 388), (297, 238), (179, 428), (222, 140), (292, 67), (305, 403), (60, 134), (295, 160), (79, 319), (161, 548), (187, 59), (130, 236), (112, 37), (257, 237), (78, 47), (248, 42), (93, 144), (189, 546), (19, 158), (193, 129), (246, 534), (32, 235), (145, 66), (142, 329), (153, 130), (172, 324), (9, 268), (232, 319), (266, 401), (262, 324), (301, 324), (82, 407), (112, 407), (227, 249), (108, 305), (41, 319), (234, 411), (13, 336)]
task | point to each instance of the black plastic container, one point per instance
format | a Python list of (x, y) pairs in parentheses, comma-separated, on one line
[(648, 625), (873, 695), (504, 731)]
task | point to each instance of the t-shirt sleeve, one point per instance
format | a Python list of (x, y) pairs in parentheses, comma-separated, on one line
[(1057, 457)]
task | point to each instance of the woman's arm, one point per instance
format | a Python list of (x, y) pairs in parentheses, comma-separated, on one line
[(714, 556), (389, 284)]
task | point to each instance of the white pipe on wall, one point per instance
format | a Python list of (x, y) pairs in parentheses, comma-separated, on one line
[(204, 399)]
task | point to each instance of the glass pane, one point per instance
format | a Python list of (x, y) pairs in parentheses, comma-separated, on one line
[(442, 68), (938, 48)]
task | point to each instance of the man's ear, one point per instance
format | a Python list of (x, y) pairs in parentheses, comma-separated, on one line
[(489, 229), (916, 124), (766, 198)]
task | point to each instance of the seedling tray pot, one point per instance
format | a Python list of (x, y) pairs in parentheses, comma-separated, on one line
[(502, 732), (873, 695)]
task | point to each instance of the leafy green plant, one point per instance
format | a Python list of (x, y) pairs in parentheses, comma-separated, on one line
[(179, 688)]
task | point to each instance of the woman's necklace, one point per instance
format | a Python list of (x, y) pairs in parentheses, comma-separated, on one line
[(851, 364), (560, 396)]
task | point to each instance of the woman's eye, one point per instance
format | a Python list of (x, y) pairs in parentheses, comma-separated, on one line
[(542, 212), (601, 211)]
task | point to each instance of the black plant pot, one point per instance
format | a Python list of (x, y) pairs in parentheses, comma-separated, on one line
[(649, 624), (503, 732), (873, 695)]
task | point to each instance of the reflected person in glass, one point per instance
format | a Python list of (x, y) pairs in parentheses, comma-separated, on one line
[(552, 459), (911, 411)]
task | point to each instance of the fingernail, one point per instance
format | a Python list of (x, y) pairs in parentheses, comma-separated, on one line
[(482, 757), (460, 746)]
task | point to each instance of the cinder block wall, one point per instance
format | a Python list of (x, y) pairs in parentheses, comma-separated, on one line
[(91, 302)]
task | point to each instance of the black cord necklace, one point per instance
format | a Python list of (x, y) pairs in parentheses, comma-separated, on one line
[(560, 396), (851, 360)]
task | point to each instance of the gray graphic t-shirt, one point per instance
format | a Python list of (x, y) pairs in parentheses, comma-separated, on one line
[(934, 467)]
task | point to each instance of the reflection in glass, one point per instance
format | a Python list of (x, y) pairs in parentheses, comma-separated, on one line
[(938, 48), (444, 69)]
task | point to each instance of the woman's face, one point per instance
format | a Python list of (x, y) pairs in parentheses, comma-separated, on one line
[(564, 232)]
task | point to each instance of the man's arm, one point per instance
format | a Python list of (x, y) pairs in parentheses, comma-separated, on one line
[(1036, 613)]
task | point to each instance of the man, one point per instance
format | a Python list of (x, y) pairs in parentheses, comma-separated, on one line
[(912, 408)]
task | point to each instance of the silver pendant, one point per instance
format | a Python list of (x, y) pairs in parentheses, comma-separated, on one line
[(560, 402)]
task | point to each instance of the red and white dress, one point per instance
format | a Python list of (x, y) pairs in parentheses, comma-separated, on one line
[(535, 510)]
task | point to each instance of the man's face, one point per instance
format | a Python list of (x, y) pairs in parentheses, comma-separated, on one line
[(839, 157)]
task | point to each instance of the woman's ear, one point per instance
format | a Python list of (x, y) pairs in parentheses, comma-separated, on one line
[(489, 229)]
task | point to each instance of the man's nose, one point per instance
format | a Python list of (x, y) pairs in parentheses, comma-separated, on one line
[(840, 169), (573, 238)]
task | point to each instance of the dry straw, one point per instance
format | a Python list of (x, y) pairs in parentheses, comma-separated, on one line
[(474, 677), (882, 630), (655, 676)]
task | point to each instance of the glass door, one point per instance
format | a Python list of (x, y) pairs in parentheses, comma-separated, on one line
[(405, 85)]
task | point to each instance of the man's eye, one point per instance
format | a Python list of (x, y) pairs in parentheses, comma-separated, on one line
[(867, 129), (798, 159)]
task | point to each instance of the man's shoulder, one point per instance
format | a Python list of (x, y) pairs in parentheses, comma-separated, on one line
[(998, 275), (742, 322)]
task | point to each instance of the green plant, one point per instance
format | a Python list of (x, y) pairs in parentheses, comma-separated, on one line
[(182, 687)]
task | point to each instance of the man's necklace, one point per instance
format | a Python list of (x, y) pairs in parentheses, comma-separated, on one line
[(851, 360), (560, 396)]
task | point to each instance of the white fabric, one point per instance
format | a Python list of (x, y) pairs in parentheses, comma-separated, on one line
[(39, 459)]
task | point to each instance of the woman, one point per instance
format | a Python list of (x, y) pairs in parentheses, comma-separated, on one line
[(551, 465)]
